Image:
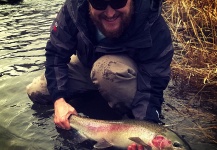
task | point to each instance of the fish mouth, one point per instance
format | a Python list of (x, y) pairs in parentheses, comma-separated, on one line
[(177, 141), (178, 146), (183, 145)]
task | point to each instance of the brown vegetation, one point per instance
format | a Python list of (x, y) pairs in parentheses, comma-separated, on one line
[(193, 24)]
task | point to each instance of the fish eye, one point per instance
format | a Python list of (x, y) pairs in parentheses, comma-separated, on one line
[(176, 144)]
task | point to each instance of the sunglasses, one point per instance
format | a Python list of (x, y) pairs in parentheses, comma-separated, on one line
[(102, 4)]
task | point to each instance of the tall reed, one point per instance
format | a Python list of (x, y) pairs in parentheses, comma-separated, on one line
[(193, 24)]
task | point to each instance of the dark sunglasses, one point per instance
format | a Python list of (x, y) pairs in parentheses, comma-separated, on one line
[(102, 4)]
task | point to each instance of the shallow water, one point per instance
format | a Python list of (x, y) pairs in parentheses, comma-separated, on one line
[(24, 30)]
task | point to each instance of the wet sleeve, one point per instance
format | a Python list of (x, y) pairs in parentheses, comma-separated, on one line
[(152, 79), (59, 48), (153, 73)]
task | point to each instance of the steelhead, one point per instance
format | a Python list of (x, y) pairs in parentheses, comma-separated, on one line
[(123, 133)]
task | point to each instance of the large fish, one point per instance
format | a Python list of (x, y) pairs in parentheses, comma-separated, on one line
[(125, 132)]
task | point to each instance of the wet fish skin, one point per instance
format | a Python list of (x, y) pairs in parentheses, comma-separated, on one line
[(125, 132)]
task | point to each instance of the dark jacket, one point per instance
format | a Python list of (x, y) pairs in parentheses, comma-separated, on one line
[(147, 41)]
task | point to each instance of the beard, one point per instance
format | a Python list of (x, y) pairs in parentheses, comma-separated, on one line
[(125, 19)]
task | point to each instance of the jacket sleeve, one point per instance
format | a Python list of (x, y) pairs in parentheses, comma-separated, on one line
[(59, 48), (152, 79), (153, 73)]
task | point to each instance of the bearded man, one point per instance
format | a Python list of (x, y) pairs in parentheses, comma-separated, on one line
[(121, 48)]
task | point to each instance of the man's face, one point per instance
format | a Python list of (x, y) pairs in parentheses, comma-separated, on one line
[(112, 22)]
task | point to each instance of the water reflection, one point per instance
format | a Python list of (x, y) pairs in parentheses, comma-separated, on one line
[(24, 31), (17, 117), (11, 140)]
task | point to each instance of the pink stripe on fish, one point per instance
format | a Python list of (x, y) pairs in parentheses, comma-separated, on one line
[(108, 128)]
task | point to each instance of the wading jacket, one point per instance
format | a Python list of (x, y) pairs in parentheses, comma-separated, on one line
[(147, 41)]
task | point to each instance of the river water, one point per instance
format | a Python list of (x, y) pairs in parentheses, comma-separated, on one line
[(24, 31)]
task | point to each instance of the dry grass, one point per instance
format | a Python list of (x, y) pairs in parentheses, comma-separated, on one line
[(193, 24)]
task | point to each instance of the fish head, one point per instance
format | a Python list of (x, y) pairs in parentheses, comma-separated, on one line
[(170, 141)]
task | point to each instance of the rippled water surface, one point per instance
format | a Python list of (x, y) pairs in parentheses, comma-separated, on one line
[(24, 31)]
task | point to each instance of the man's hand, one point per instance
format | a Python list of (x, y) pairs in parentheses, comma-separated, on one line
[(135, 147), (62, 111)]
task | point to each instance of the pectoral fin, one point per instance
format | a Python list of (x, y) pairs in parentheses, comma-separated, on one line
[(79, 137), (137, 140), (102, 144)]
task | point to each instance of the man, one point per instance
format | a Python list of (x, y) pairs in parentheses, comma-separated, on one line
[(122, 48)]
